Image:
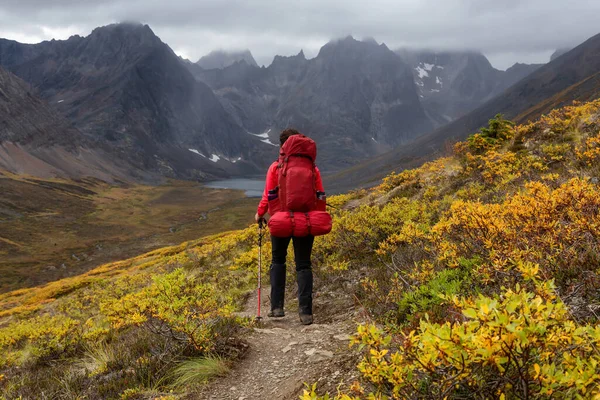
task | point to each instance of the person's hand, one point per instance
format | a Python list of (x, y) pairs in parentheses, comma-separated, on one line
[(257, 217)]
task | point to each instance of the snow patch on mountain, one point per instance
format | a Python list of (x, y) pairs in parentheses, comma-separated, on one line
[(267, 141), (264, 136), (197, 152), (231, 160), (215, 158), (421, 72)]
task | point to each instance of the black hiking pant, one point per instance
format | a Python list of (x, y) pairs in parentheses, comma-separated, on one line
[(302, 251)]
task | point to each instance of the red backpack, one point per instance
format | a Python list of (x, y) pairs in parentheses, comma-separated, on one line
[(295, 206), (297, 176)]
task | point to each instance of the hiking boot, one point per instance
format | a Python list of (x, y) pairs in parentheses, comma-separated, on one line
[(306, 319), (276, 313)]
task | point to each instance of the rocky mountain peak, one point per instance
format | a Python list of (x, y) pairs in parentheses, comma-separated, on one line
[(128, 34), (112, 44), (517, 67), (288, 61), (219, 59), (351, 54), (559, 52), (342, 45), (478, 58), (132, 31)]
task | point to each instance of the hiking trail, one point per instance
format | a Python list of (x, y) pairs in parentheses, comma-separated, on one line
[(283, 354)]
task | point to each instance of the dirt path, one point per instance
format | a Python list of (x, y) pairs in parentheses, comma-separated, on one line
[(283, 354)]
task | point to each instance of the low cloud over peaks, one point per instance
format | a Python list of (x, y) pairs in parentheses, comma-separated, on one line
[(507, 31)]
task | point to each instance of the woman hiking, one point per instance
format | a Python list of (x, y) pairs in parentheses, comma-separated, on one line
[(295, 200)]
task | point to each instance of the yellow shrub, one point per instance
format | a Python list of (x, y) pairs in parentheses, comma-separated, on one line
[(517, 345), (172, 305), (555, 228), (589, 152), (43, 336)]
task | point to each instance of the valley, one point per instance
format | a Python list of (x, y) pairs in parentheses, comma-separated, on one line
[(462, 260), (251, 187), (54, 228)]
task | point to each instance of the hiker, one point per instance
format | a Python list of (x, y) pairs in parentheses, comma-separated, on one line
[(295, 199)]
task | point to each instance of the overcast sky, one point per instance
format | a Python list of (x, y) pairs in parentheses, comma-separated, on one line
[(506, 31)]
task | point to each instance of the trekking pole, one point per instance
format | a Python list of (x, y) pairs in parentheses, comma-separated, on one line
[(260, 237)]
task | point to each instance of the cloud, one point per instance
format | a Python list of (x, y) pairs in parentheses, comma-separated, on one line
[(505, 30)]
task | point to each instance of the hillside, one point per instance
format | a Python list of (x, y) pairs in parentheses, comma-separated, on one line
[(56, 228), (475, 275), (26, 119), (572, 76), (34, 139)]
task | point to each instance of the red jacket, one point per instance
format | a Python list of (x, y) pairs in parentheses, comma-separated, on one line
[(271, 183)]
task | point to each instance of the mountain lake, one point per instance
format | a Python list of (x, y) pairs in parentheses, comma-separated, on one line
[(252, 187)]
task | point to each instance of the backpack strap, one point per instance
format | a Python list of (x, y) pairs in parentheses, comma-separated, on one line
[(293, 222), (308, 222), (281, 172)]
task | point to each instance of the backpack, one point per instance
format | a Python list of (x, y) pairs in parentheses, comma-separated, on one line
[(296, 175), (296, 208)]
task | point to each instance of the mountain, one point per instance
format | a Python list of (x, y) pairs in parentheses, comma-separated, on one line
[(36, 140), (123, 87), (126, 91), (450, 84), (514, 74), (27, 120), (573, 76), (558, 53), (355, 98), (221, 59)]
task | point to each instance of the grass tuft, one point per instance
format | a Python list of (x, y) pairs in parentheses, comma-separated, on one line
[(97, 359), (199, 370)]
